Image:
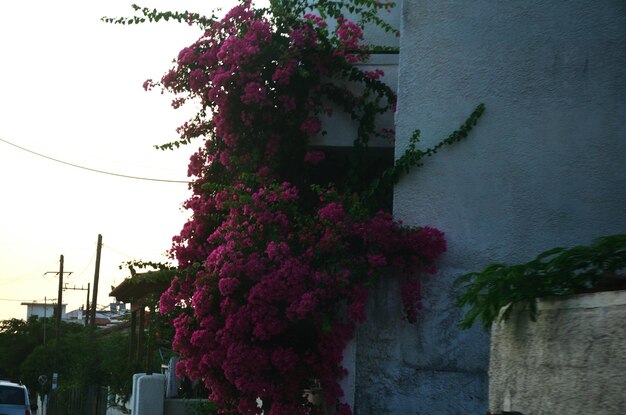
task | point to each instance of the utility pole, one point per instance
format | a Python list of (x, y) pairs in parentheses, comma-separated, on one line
[(57, 348), (59, 312), (96, 277), (87, 305), (45, 317)]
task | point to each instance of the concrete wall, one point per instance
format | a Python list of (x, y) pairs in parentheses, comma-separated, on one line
[(570, 361), (148, 394), (544, 168), (43, 310)]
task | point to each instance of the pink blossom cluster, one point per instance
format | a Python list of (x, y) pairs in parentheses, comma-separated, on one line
[(278, 290), (222, 70), (350, 37), (261, 84), (273, 275)]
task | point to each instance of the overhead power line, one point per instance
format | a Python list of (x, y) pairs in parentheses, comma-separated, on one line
[(31, 275), (126, 176), (22, 278), (118, 251)]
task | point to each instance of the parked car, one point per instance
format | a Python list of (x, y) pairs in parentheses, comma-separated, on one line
[(13, 399)]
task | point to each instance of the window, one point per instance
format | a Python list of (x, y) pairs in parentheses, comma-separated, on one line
[(12, 395)]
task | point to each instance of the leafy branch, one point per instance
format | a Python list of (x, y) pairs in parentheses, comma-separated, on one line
[(153, 15), (413, 156), (367, 10), (556, 272)]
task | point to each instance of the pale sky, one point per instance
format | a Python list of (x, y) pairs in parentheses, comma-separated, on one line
[(71, 89)]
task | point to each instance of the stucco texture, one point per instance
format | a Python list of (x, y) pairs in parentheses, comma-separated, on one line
[(570, 361), (543, 168)]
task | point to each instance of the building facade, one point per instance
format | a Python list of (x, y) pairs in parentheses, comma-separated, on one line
[(544, 167)]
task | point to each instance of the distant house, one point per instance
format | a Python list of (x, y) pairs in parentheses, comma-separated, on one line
[(75, 316), (113, 316), (43, 310)]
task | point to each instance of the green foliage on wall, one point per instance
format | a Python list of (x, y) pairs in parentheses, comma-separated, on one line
[(556, 272)]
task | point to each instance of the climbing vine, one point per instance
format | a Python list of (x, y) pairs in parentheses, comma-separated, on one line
[(275, 264)]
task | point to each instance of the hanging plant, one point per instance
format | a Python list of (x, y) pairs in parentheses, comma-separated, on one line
[(276, 263)]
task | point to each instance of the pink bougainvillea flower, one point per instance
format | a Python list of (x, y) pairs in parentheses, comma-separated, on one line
[(332, 212), (275, 258), (311, 126)]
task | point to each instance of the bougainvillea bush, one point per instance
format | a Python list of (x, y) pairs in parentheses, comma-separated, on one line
[(279, 290), (275, 263)]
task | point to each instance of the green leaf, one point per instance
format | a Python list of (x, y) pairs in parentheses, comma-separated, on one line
[(326, 327), (557, 271)]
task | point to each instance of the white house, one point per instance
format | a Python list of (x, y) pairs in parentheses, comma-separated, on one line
[(43, 310)]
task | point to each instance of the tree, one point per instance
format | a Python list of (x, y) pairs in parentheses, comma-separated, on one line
[(18, 339), (84, 360)]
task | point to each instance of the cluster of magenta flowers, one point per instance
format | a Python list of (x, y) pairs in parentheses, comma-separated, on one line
[(279, 291), (274, 266)]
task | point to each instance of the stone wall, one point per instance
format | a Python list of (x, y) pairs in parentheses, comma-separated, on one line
[(570, 361)]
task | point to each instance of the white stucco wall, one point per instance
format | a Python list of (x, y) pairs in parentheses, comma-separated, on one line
[(336, 125), (544, 168), (43, 310)]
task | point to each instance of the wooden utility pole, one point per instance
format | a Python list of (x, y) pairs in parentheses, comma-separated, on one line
[(87, 304), (59, 312), (45, 317), (57, 346), (96, 277)]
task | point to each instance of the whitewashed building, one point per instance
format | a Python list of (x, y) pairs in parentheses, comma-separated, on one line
[(43, 310), (545, 167)]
